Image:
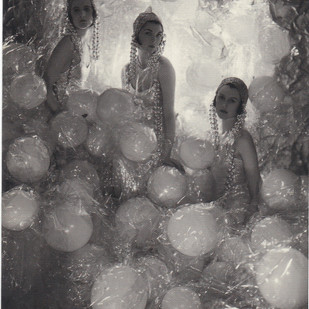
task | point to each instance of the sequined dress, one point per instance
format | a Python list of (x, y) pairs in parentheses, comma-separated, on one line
[(70, 78), (238, 199), (130, 178)]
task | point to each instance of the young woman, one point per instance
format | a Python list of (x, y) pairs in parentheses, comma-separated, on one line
[(150, 77), (65, 63), (236, 170)]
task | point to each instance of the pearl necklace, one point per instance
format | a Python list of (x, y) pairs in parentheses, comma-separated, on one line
[(228, 140)]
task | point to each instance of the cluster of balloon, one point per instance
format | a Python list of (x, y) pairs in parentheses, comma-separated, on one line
[(282, 278), (136, 221), (20, 207), (155, 273), (115, 107), (83, 102), (69, 130), (279, 188), (181, 297), (28, 159), (119, 286), (28, 90), (137, 142), (99, 142), (166, 186), (66, 227), (265, 94)]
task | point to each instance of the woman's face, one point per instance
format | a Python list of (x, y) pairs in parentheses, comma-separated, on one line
[(227, 102), (82, 13), (150, 37)]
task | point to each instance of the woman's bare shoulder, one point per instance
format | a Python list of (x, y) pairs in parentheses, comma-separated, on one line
[(166, 67)]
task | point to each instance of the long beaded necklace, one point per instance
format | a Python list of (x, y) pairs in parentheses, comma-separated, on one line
[(228, 140), (153, 67)]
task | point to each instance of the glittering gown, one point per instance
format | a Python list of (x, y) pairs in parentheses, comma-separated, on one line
[(130, 178), (69, 79), (238, 199)]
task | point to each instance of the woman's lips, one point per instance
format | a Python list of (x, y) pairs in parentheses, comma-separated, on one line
[(223, 111)]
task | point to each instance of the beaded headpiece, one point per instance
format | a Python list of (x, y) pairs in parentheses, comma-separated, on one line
[(239, 85), (142, 19)]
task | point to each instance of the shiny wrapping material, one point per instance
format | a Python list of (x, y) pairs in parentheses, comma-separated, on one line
[(274, 242)]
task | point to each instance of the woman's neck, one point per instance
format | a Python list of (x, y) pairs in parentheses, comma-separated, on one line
[(227, 124), (81, 32), (143, 58)]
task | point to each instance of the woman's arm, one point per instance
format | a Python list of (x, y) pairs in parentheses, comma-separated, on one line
[(123, 76), (246, 148), (58, 63), (166, 76)]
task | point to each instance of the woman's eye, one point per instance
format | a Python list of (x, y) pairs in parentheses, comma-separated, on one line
[(76, 10)]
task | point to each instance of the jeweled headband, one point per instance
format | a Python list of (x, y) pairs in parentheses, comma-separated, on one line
[(239, 85), (142, 19)]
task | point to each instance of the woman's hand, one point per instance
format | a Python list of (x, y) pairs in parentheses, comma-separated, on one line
[(52, 102)]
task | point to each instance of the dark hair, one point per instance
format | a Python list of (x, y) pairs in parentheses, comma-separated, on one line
[(150, 21), (240, 109), (69, 6)]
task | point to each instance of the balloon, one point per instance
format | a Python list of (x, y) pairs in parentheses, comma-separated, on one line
[(282, 277), (136, 220), (203, 76), (70, 131), (67, 229), (218, 271), (84, 264), (19, 208), (28, 159), (278, 189), (265, 94), (240, 29), (99, 141), (119, 287), (83, 170), (201, 186), (18, 58), (137, 142), (115, 106), (196, 154), (28, 90), (234, 250), (181, 298), (269, 233), (274, 43), (155, 273), (83, 102), (192, 230), (166, 186)]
